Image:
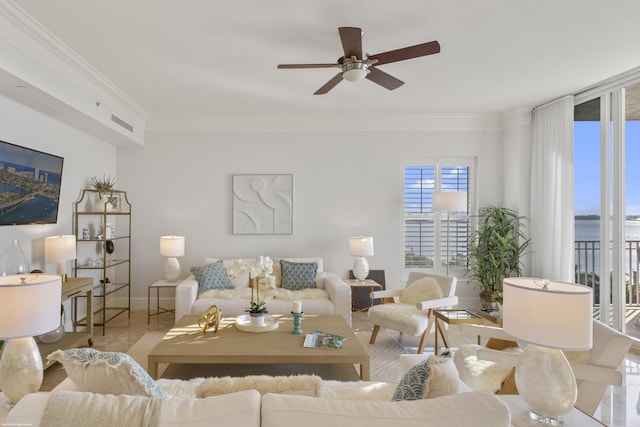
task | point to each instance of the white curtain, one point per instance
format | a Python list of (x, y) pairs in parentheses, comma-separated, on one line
[(552, 212)]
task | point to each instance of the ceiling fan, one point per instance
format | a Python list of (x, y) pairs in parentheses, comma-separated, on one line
[(355, 66)]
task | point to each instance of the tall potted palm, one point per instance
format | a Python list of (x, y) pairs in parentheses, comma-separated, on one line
[(496, 248)]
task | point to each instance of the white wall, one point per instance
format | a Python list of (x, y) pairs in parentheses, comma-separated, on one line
[(84, 157), (345, 184)]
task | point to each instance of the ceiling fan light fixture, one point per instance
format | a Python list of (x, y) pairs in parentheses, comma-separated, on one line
[(354, 71)]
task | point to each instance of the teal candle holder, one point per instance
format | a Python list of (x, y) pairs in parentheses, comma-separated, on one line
[(297, 323)]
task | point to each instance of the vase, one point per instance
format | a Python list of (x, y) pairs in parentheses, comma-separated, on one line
[(13, 260), (256, 319)]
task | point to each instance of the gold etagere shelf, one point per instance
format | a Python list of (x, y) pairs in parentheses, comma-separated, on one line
[(102, 226)]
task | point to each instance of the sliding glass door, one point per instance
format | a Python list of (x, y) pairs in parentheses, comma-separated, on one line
[(607, 202)]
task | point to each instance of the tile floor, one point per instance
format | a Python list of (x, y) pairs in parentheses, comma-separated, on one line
[(619, 408)]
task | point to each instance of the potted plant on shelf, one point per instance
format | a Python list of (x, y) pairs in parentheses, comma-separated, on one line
[(103, 186), (495, 249)]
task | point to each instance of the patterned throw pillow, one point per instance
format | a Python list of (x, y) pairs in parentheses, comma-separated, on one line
[(298, 275), (436, 376), (212, 276), (106, 372)]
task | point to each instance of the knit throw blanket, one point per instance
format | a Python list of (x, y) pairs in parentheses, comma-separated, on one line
[(72, 408)]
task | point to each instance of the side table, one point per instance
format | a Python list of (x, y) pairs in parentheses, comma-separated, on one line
[(367, 284), (157, 285), (452, 317), (520, 414), (74, 288)]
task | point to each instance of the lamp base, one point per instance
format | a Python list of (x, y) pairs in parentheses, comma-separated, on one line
[(360, 268), (20, 368), (546, 383), (172, 269)]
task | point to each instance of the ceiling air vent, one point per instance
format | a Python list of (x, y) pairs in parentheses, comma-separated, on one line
[(117, 120)]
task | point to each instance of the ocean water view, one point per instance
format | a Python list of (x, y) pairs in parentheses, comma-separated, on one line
[(589, 229)]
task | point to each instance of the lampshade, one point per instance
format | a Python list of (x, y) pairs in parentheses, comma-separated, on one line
[(31, 307), (556, 316), (550, 316), (172, 246), (60, 248), (361, 246), (449, 201)]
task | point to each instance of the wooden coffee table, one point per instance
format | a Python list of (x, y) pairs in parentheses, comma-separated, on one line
[(186, 344)]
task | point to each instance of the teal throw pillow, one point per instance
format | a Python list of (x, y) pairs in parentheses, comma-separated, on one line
[(436, 376), (106, 372), (298, 275), (212, 276)]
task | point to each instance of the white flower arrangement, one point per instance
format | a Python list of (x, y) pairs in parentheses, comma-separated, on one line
[(260, 271)]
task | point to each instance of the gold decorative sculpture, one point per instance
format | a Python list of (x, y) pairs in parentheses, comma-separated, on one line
[(210, 319)]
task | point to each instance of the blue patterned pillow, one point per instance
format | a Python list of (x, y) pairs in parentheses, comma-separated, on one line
[(106, 372), (298, 275), (436, 376), (212, 276)]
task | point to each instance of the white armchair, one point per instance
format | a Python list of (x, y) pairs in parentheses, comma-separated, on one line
[(411, 311), (595, 370)]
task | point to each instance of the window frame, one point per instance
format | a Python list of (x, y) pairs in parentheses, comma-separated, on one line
[(439, 218)]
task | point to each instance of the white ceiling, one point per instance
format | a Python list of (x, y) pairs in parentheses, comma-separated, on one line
[(218, 57)]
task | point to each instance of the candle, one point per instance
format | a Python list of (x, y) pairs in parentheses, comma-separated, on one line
[(297, 306)]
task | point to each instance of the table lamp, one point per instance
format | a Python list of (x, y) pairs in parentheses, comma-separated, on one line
[(550, 316), (360, 247), (172, 247), (29, 306), (60, 249), (448, 202)]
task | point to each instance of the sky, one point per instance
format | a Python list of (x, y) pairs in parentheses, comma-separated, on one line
[(587, 167)]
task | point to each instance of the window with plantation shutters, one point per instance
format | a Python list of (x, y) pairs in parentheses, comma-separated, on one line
[(436, 241)]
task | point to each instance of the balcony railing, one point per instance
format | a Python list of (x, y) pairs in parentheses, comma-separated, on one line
[(587, 254)]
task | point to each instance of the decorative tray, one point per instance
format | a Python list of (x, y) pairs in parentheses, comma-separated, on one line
[(244, 324)]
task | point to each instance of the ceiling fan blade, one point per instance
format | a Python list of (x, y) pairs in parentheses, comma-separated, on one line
[(351, 38), (410, 52), (290, 66), (384, 79), (329, 85)]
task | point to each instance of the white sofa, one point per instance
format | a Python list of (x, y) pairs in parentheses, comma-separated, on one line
[(251, 408), (331, 296)]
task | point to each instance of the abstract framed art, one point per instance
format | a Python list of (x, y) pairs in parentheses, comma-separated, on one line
[(263, 204)]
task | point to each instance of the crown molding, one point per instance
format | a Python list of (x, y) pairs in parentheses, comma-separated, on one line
[(37, 43), (413, 123)]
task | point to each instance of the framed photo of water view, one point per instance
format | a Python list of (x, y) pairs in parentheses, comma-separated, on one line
[(29, 185)]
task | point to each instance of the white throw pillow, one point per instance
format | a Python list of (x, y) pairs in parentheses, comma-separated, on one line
[(434, 377), (106, 372), (294, 384), (424, 289)]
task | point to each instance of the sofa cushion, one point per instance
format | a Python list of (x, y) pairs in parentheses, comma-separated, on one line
[(211, 276), (298, 275), (436, 376), (105, 372), (424, 289), (478, 409)]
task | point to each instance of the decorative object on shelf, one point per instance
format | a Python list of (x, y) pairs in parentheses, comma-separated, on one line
[(86, 234), (449, 202), (495, 249), (297, 322), (13, 260), (243, 323), (260, 271), (172, 247), (550, 316), (360, 247), (29, 306), (262, 204), (103, 185), (60, 249), (210, 319)]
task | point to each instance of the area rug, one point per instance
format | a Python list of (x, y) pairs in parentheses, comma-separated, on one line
[(384, 353)]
